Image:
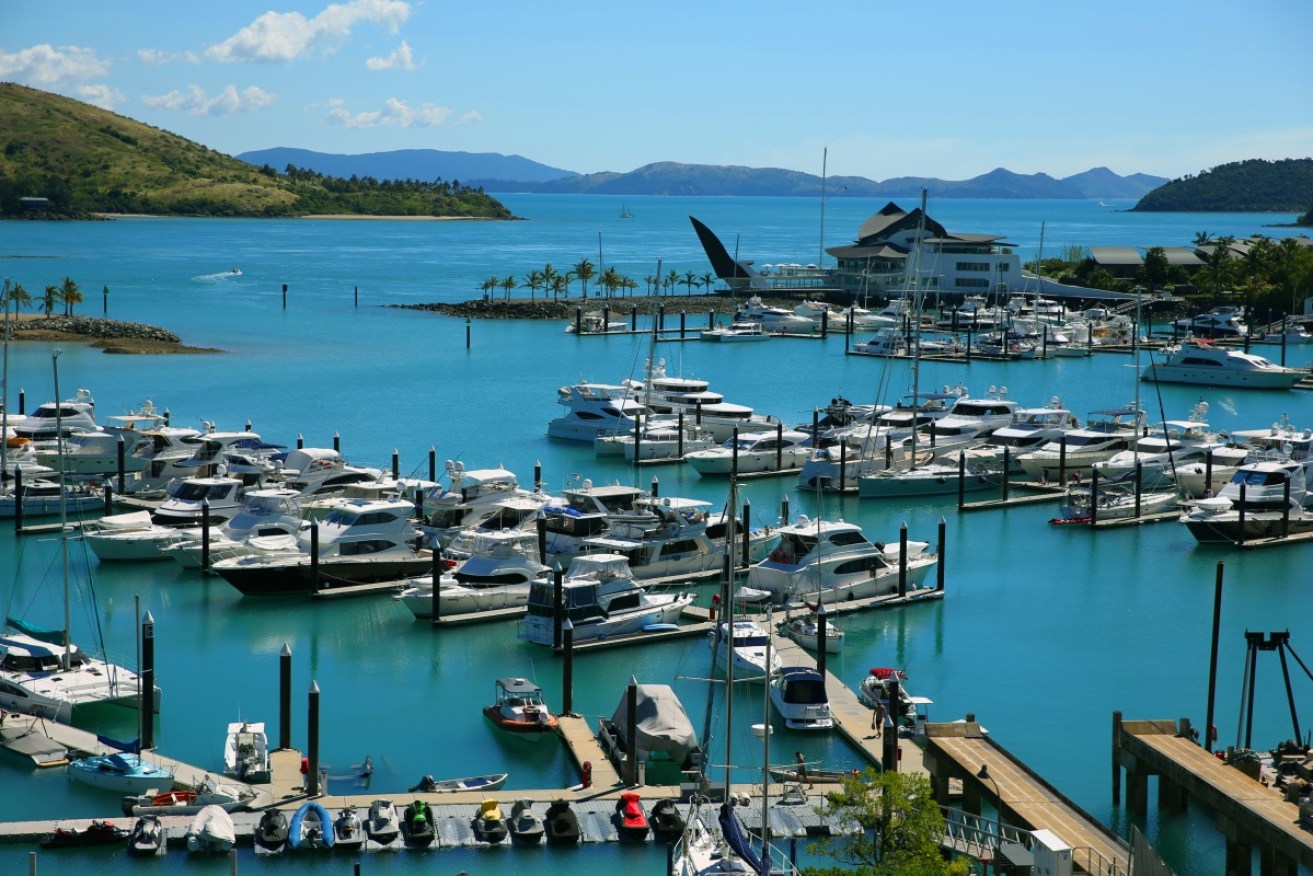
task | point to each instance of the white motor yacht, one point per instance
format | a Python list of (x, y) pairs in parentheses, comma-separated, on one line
[(50, 419), (51, 680), (1220, 322), (799, 695), (1174, 443), (735, 333), (1263, 499), (776, 320), (471, 495), (584, 512), (827, 560), (747, 645), (940, 477), (1030, 429), (317, 471), (658, 439), (1199, 363), (777, 450), (513, 513), (44, 498), (594, 409), (358, 543), (1104, 434), (267, 513), (497, 574), (601, 599), (969, 421)]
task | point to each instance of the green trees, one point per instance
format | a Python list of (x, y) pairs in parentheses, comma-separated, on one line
[(690, 280), (901, 827), (48, 299), (19, 297), (507, 284), (70, 295), (585, 271)]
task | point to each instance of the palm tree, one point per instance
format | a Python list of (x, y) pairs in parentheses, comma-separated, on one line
[(549, 276), (48, 299), (558, 285), (70, 295), (585, 271), (20, 297), (532, 280), (672, 280), (708, 280), (1202, 238), (629, 283), (690, 280), (1219, 264), (651, 283), (488, 285), (507, 284), (609, 281)]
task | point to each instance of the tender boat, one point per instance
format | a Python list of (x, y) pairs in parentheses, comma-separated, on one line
[(98, 833), (348, 830), (881, 684), (748, 647), (246, 752), (178, 802), (560, 824), (211, 831), (489, 825), (489, 782), (382, 828), (311, 827), (798, 694), (805, 630), (666, 820), (525, 827), (630, 819), (271, 833), (123, 772), (518, 708), (267, 513), (1217, 366), (358, 543), (601, 599), (596, 323), (147, 837), (417, 825), (833, 560), (754, 452)]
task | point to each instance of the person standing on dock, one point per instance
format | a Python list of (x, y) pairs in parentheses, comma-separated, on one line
[(878, 716)]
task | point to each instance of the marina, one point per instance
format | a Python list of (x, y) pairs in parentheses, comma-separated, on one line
[(1022, 601)]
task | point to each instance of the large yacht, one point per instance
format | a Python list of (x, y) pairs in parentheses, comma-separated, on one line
[(593, 409), (1196, 362), (1106, 432), (1263, 499)]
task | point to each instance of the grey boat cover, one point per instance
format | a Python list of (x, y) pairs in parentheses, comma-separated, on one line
[(662, 723)]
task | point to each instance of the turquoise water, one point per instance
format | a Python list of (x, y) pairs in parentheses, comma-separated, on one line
[(1044, 632)]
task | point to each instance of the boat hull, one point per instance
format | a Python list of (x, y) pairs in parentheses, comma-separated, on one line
[(539, 629), (284, 578), (1282, 379)]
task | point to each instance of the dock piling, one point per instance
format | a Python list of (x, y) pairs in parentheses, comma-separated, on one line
[(902, 561), (285, 697), (747, 527), (314, 557), (437, 590), (205, 535), (558, 605), (939, 567), (312, 788), (337, 443), (121, 463), (1209, 729), (656, 487), (396, 464), (631, 731), (18, 498), (433, 463), (147, 710), (109, 498), (567, 671)]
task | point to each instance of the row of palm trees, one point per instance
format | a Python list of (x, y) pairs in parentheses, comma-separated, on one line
[(66, 296), (610, 282)]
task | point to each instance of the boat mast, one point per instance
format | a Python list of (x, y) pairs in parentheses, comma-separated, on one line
[(820, 256), (63, 504), (4, 393), (917, 302), (727, 641)]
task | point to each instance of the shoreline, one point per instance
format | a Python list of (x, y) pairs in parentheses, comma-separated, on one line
[(107, 335)]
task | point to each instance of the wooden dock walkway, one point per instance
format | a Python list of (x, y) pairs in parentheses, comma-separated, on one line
[(958, 750), (1250, 814)]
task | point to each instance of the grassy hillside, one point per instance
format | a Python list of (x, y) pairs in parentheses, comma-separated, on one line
[(1254, 186), (87, 160)]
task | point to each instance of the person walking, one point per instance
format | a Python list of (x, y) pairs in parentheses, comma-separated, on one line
[(878, 716)]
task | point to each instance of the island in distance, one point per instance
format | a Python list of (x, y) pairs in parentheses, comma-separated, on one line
[(495, 172)]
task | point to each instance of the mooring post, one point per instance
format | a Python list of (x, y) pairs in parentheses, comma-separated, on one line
[(578, 322), (889, 730), (784, 510), (681, 325), (468, 332), (656, 487), (779, 446), (567, 670), (1116, 751), (18, 498), (357, 296), (337, 443), (284, 296), (1062, 460), (205, 535), (396, 464), (312, 743), (537, 475), (120, 452), (147, 694), (285, 697), (109, 498), (1139, 481), (961, 479), (745, 529), (433, 463), (679, 436), (843, 466), (1209, 729), (248, 424), (734, 455), (1094, 495), (631, 727), (314, 557), (902, 560), (558, 604), (1007, 470), (300, 441), (541, 524), (939, 567), (436, 596)]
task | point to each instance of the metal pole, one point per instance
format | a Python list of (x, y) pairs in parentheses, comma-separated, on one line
[(820, 636), (437, 589), (312, 788), (939, 567), (902, 560), (147, 695), (631, 725), (1212, 658), (558, 602), (567, 671), (205, 535), (285, 697)]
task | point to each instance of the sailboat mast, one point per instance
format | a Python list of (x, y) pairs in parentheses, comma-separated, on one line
[(917, 303), (727, 642), (820, 256), (4, 393), (63, 504)]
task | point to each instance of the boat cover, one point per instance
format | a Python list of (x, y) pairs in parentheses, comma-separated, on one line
[(662, 723), (737, 838)]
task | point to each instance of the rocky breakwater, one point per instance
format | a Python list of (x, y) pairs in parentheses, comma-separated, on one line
[(109, 335), (522, 308)]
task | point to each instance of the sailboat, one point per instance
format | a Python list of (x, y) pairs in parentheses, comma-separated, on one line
[(42, 672), (714, 844)]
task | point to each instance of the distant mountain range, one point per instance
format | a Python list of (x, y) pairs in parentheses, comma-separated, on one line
[(513, 173)]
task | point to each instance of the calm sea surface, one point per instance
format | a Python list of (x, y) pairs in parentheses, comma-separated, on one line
[(1044, 631)]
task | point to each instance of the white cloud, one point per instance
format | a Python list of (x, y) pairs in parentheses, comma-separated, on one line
[(196, 102), (395, 113), (100, 95), (46, 66), (286, 36), (401, 58), (471, 116), (157, 58)]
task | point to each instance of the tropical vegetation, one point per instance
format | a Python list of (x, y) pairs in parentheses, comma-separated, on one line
[(1253, 186), (900, 828), (60, 158), (610, 283), (65, 296)]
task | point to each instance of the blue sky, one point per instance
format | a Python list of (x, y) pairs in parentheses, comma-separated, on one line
[(950, 89)]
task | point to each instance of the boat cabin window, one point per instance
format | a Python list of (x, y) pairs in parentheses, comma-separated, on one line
[(848, 537), (621, 602), (362, 547), (806, 692), (682, 546), (860, 565), (1196, 360), (1259, 478)]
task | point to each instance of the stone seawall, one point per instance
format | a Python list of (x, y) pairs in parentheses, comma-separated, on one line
[(95, 327), (519, 308)]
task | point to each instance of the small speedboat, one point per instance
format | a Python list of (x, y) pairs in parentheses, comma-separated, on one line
[(98, 833), (311, 827), (271, 833), (489, 826), (430, 785), (147, 837), (666, 820), (805, 631), (630, 819), (382, 827), (123, 772), (211, 831), (246, 752), (417, 825), (525, 827), (348, 832), (519, 709), (800, 697), (560, 824)]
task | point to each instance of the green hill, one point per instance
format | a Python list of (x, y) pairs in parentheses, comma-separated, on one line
[(85, 160), (1254, 186)]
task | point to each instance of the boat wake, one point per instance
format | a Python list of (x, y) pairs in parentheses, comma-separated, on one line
[(220, 277)]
